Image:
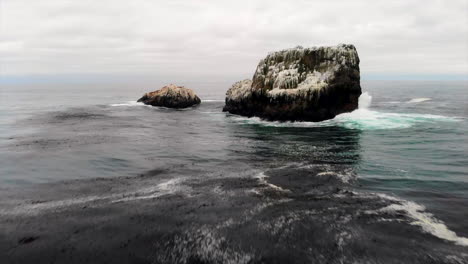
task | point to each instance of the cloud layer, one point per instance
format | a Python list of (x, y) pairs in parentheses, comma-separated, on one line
[(218, 37)]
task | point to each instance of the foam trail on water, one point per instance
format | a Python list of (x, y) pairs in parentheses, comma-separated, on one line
[(164, 188), (263, 180), (129, 103), (423, 219), (213, 100), (419, 100)]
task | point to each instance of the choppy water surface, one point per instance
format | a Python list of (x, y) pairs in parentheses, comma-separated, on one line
[(385, 183)]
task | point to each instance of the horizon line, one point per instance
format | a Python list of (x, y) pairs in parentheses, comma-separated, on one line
[(117, 77)]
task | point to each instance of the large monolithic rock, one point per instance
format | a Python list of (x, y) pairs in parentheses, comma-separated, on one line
[(172, 96), (308, 84)]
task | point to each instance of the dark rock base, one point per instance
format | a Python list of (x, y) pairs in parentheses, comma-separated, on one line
[(327, 105)]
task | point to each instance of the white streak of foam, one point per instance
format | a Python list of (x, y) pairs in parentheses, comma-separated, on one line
[(129, 103), (423, 219), (344, 176), (262, 179), (419, 100), (164, 188), (213, 100)]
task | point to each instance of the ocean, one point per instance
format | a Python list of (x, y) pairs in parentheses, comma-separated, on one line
[(87, 174)]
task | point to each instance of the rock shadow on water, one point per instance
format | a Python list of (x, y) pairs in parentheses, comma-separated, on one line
[(283, 144)]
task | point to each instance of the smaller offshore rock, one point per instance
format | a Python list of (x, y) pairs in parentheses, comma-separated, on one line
[(171, 96)]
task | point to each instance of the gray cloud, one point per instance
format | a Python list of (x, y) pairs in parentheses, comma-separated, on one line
[(226, 37)]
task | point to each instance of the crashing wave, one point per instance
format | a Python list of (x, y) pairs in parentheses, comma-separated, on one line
[(360, 119)]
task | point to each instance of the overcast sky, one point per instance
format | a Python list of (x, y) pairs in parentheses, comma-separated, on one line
[(217, 37)]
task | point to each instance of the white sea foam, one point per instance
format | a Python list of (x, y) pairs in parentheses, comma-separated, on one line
[(262, 179), (365, 100), (360, 119), (208, 244), (423, 219), (129, 103), (365, 119), (164, 188), (345, 176), (168, 187), (419, 100), (213, 100)]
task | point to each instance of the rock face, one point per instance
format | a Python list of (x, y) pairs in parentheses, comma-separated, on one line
[(308, 84), (171, 96)]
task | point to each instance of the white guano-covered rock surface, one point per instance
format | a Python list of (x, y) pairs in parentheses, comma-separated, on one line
[(289, 85)]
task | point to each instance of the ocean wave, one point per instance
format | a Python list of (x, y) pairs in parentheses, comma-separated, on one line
[(421, 218), (360, 119), (345, 175), (365, 119), (419, 100)]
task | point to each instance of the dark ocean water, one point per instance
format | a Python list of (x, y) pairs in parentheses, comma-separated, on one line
[(387, 183)]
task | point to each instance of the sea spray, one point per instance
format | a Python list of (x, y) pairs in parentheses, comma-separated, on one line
[(365, 100)]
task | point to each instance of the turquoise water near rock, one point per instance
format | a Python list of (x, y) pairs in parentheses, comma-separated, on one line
[(404, 153)]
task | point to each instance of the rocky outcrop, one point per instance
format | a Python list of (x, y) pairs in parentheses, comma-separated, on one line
[(171, 96), (308, 84)]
